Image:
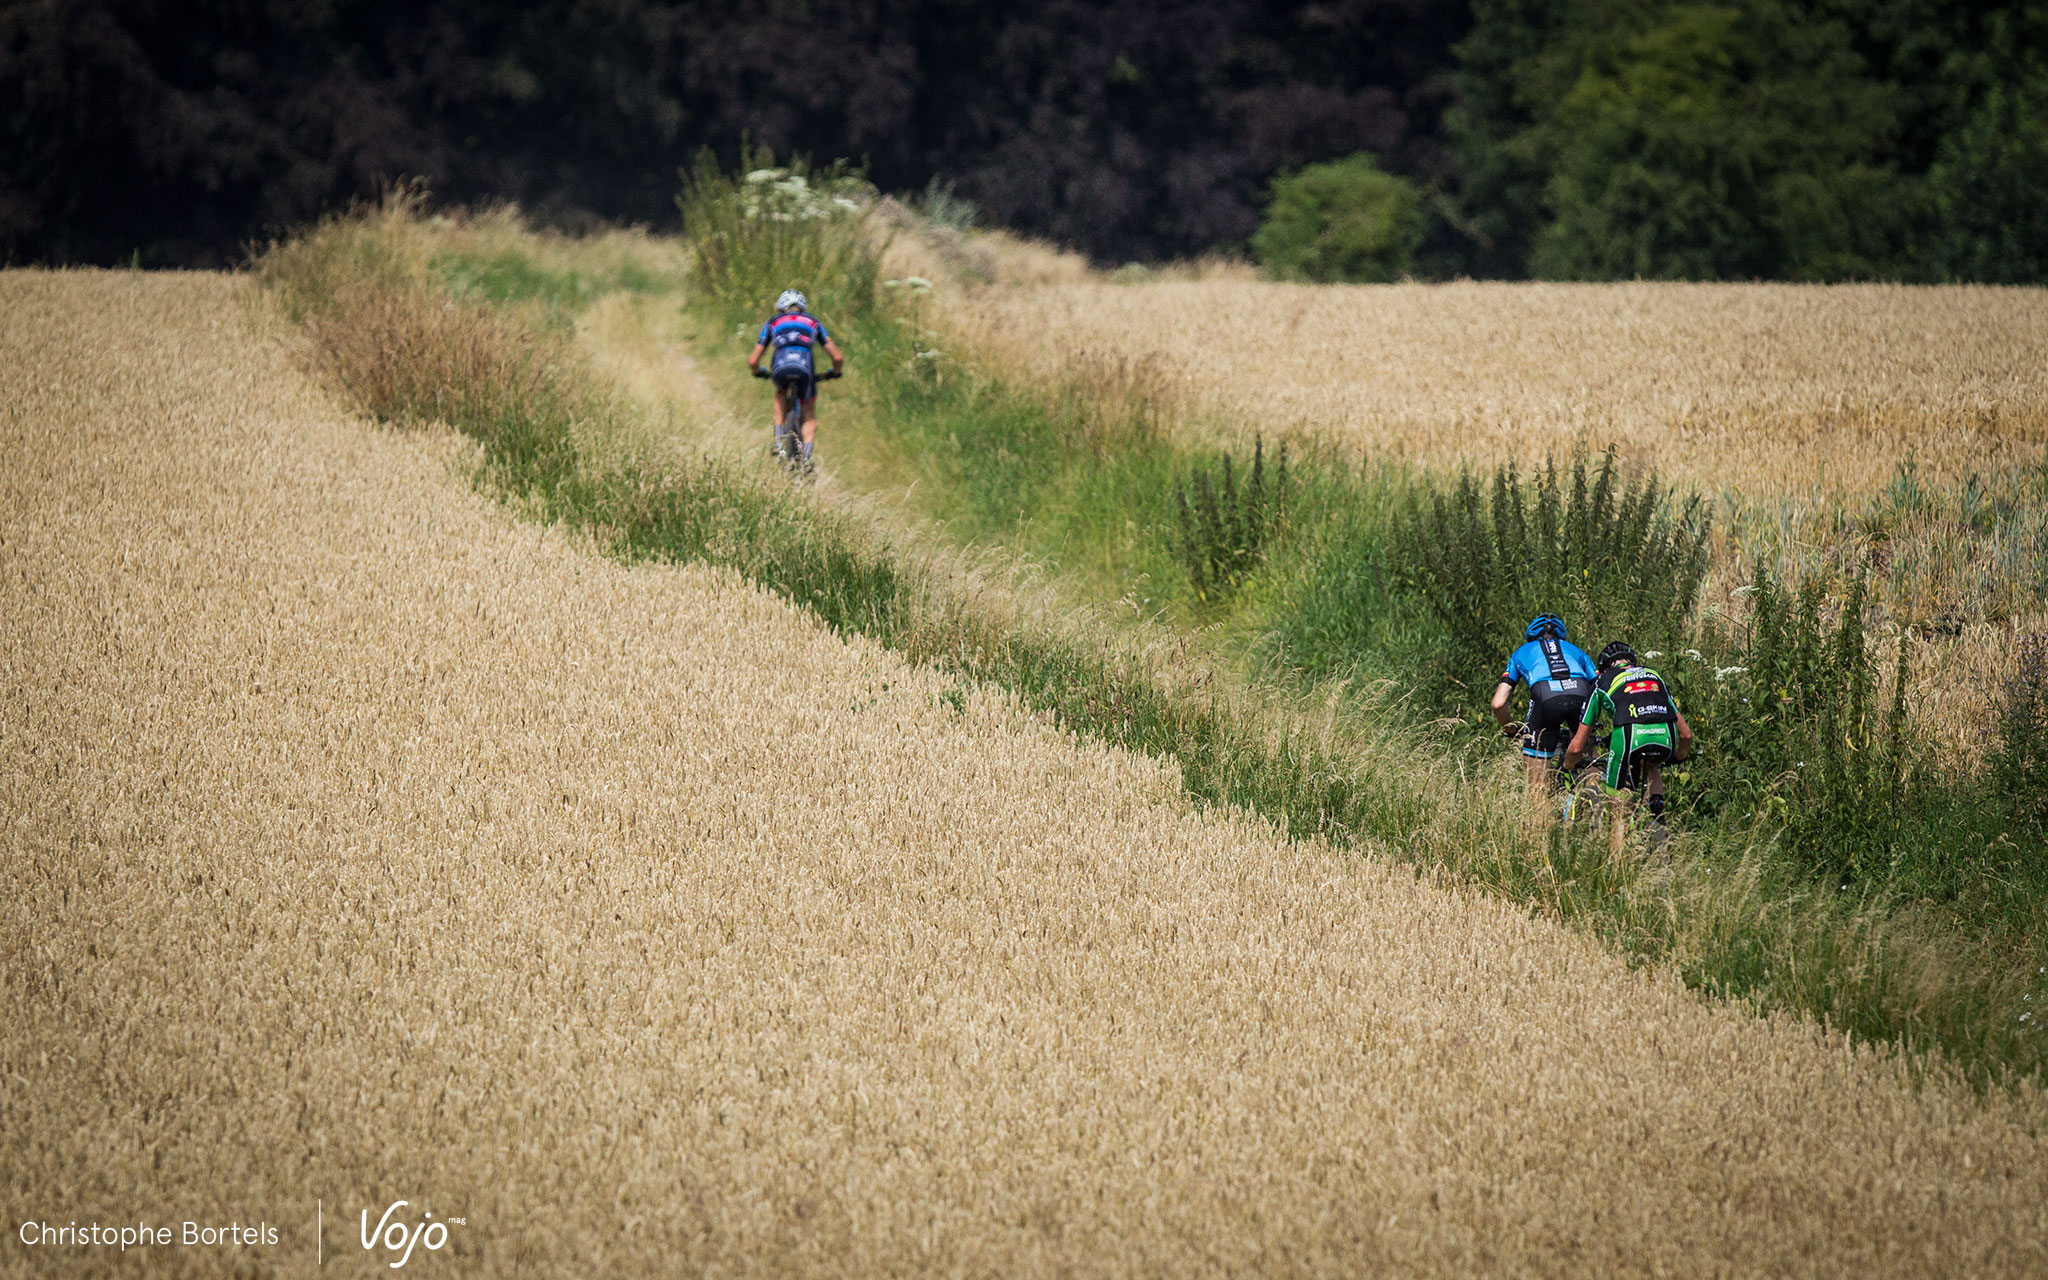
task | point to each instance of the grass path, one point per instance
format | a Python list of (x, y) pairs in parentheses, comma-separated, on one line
[(364, 843)]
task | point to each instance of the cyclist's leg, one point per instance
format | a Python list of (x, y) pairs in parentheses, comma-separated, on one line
[(811, 418), (1623, 782), (1653, 789), (1543, 741), (781, 429), (1537, 773)]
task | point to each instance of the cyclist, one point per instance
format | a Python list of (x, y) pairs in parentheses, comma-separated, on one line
[(1649, 732), (790, 335), (1560, 679)]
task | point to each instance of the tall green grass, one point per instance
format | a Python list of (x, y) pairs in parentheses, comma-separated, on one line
[(1331, 760)]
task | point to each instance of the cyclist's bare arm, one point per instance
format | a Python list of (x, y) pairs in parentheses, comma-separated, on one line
[(754, 361), (1684, 738), (1501, 693), (1577, 750), (831, 349)]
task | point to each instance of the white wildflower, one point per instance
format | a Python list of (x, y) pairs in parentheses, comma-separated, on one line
[(1722, 673)]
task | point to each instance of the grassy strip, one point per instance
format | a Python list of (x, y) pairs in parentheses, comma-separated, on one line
[(1728, 921)]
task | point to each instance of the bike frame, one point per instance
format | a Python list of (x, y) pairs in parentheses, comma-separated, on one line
[(788, 443)]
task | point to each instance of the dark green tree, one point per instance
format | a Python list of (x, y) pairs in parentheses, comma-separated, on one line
[(1722, 142), (1800, 139)]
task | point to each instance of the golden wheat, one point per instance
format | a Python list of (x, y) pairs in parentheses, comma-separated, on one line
[(1761, 389), (363, 844)]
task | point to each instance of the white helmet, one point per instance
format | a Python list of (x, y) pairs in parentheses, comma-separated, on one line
[(790, 300)]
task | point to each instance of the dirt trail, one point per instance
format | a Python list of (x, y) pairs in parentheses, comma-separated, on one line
[(640, 342), (363, 844)]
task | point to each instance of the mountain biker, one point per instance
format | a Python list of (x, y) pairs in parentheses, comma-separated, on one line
[(790, 334), (1649, 732), (1560, 679)]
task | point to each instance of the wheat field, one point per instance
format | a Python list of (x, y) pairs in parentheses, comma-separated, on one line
[(1760, 389), (363, 843)]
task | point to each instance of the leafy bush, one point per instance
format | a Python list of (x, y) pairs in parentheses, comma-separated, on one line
[(772, 227), (1614, 557), (1224, 527), (1345, 220)]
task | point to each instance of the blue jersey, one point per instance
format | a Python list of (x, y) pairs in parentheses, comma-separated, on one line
[(1534, 662), (789, 338)]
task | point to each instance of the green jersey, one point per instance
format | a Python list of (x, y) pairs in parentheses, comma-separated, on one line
[(1645, 718)]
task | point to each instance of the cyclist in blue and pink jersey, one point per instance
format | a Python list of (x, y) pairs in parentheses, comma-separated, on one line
[(1560, 679), (790, 334)]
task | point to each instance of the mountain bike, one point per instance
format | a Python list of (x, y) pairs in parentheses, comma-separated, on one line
[(1583, 795), (1585, 798), (788, 445)]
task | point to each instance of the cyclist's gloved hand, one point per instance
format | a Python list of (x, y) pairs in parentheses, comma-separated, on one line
[(1513, 729), (760, 373)]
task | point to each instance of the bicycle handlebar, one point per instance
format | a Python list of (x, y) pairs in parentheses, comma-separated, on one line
[(827, 376)]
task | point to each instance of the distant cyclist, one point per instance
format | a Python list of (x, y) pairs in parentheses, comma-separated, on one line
[(790, 334), (1649, 732), (1560, 679)]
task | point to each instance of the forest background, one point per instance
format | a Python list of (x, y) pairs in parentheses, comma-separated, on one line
[(1582, 139)]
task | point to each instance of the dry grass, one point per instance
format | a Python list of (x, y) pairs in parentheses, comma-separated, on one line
[(364, 844), (1761, 389)]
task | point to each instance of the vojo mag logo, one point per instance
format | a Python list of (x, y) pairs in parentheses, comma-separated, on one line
[(398, 1232)]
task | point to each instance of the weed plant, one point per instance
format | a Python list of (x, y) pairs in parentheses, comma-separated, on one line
[(2019, 764), (1224, 527), (1617, 558)]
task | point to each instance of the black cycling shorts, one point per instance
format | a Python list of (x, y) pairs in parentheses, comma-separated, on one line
[(801, 383), (1554, 713)]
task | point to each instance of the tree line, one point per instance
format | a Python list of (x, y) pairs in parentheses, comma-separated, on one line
[(1570, 138)]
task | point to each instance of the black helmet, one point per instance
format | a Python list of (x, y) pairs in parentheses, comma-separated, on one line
[(1617, 653)]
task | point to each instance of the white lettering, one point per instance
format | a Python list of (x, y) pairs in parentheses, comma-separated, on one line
[(398, 1237), (370, 1237)]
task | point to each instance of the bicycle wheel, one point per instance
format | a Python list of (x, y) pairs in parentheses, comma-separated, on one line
[(1585, 795), (789, 447)]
